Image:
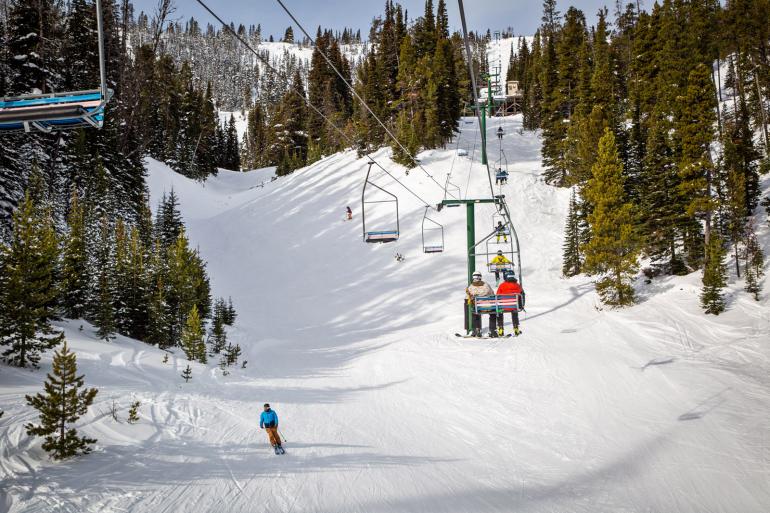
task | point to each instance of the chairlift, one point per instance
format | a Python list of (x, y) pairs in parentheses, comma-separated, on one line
[(373, 236), (510, 247), (432, 235), (506, 231), (59, 111)]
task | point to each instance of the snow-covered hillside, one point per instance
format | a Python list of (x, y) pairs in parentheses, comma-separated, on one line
[(656, 408)]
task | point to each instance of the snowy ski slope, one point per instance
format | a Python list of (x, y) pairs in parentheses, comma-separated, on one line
[(657, 408)]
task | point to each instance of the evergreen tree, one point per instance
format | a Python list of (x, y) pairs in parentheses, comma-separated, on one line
[(103, 309), (663, 210), (290, 149), (714, 277), (231, 354), (612, 251), (695, 129), (157, 332), (571, 259), (288, 35), (62, 405), (187, 373), (168, 224), (755, 262), (28, 267), (192, 337), (75, 278), (187, 285), (229, 312), (232, 154)]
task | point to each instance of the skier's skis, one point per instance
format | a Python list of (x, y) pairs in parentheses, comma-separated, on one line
[(508, 335), (279, 450)]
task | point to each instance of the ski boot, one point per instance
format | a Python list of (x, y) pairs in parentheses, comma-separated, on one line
[(516, 331), (500, 332)]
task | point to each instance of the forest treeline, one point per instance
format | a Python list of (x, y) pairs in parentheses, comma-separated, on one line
[(658, 120)]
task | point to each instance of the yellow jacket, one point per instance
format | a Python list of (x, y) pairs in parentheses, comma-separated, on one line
[(499, 260)]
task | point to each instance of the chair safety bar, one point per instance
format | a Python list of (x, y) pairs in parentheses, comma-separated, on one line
[(497, 304)]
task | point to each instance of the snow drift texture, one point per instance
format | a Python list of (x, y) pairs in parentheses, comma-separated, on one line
[(657, 408)]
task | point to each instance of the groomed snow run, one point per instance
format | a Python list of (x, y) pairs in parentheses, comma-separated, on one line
[(657, 408)]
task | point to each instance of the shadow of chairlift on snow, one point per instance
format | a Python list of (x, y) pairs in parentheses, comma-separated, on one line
[(705, 407), (665, 360)]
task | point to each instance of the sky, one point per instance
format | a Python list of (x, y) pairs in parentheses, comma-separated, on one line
[(522, 15)]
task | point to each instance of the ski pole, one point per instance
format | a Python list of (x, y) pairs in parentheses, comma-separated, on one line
[(282, 435)]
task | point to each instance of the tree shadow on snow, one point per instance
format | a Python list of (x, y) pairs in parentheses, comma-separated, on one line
[(190, 462)]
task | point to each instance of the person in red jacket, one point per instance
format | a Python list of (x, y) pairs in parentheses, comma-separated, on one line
[(510, 286)]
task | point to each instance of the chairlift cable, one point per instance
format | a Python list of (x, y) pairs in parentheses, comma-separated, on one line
[(355, 93), (305, 99), (475, 91)]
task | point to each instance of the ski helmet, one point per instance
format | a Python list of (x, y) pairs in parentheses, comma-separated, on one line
[(500, 252), (477, 276), (509, 275)]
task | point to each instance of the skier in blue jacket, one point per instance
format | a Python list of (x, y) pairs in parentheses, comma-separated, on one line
[(269, 422)]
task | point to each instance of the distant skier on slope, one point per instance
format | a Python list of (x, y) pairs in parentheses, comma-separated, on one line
[(349, 213), (509, 287), (478, 288), (499, 263), (268, 421)]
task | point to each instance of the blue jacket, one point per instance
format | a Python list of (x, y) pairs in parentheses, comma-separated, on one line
[(268, 419)]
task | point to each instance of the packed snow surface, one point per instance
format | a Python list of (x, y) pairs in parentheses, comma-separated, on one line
[(655, 408)]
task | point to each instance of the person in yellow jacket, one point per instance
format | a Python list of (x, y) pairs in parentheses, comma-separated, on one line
[(499, 264)]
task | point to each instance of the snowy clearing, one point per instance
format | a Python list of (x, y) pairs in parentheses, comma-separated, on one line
[(657, 408)]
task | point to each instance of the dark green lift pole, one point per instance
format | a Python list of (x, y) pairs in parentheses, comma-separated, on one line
[(470, 220)]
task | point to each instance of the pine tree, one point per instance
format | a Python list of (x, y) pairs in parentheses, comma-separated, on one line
[(192, 337), (218, 333), (288, 36), (187, 373), (229, 312), (74, 274), (290, 150), (612, 250), (137, 288), (187, 284), (695, 129), (103, 311), (223, 315), (231, 354), (714, 277), (571, 259), (232, 155), (662, 209), (168, 224), (157, 329), (62, 404), (27, 288), (133, 412), (755, 262)]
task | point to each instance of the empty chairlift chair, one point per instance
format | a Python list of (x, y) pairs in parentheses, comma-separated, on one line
[(59, 111), (432, 235), (383, 234)]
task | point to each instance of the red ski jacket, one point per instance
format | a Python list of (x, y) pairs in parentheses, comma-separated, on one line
[(508, 287)]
